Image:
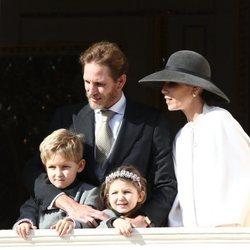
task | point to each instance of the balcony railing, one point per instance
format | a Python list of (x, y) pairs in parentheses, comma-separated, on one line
[(143, 238)]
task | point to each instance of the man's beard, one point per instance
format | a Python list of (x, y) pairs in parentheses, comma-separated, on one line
[(107, 101)]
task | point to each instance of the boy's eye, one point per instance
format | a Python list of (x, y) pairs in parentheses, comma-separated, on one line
[(51, 167), (65, 167)]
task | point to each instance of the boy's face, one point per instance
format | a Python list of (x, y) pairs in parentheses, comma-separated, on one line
[(62, 172)]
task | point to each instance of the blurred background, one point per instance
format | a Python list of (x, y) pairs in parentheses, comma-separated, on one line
[(40, 44)]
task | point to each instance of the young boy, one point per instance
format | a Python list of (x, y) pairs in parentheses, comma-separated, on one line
[(61, 153)]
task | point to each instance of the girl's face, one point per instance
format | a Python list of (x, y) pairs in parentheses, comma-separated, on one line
[(123, 196), (62, 172), (178, 96)]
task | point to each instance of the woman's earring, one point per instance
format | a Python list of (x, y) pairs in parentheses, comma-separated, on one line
[(194, 95)]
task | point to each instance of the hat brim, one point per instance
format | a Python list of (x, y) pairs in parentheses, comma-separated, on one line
[(158, 78)]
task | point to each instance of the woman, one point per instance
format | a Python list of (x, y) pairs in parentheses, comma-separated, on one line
[(211, 152)]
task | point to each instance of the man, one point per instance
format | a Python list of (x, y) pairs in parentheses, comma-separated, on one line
[(140, 138)]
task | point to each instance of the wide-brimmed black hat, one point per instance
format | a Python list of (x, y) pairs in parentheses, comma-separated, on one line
[(187, 67)]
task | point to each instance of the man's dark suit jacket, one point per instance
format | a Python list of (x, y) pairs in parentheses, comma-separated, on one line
[(143, 141)]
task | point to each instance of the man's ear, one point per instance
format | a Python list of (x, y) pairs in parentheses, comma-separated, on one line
[(81, 165), (122, 80)]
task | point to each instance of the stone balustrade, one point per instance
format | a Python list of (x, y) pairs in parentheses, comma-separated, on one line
[(143, 238)]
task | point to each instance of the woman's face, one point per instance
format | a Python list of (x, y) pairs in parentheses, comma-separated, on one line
[(178, 96)]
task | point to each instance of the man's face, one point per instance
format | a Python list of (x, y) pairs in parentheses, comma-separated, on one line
[(101, 89)]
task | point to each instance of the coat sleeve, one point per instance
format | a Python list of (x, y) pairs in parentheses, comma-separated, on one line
[(91, 198), (161, 176), (109, 222), (28, 212)]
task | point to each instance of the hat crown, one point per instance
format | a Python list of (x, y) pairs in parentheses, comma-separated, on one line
[(190, 62), (188, 67)]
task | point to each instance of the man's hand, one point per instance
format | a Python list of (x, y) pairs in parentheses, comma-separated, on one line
[(138, 221), (80, 212)]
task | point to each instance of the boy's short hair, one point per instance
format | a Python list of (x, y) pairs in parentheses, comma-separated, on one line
[(62, 141)]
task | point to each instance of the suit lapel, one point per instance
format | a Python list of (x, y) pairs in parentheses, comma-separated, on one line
[(130, 131), (83, 123)]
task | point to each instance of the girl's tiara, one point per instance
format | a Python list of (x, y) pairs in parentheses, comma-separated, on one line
[(123, 174)]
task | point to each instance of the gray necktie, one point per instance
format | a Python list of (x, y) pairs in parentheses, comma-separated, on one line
[(104, 137)]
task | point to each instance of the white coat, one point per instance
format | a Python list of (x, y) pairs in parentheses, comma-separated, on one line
[(212, 164)]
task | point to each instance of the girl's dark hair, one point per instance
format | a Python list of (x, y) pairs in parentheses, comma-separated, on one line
[(140, 185)]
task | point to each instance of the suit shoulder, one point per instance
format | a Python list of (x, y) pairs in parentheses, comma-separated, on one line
[(70, 109), (63, 116), (143, 107)]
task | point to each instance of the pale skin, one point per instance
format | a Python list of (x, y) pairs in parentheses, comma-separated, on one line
[(102, 91), (183, 97), (23, 229), (180, 96), (61, 173), (123, 197)]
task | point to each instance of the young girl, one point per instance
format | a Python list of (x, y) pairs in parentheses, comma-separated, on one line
[(123, 192)]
